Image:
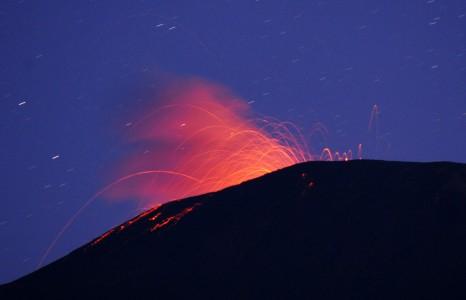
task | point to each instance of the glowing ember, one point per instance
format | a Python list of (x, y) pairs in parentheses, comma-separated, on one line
[(102, 237), (201, 140), (172, 219), (204, 133)]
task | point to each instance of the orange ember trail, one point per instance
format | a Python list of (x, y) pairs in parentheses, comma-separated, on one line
[(172, 219), (202, 139), (204, 132)]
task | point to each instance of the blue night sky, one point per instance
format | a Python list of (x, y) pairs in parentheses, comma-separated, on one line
[(73, 72)]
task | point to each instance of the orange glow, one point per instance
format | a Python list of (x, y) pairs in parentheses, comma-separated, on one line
[(200, 138), (172, 219), (206, 137), (140, 216), (102, 237)]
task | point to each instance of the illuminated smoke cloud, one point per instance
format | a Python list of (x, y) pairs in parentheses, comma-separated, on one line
[(201, 138)]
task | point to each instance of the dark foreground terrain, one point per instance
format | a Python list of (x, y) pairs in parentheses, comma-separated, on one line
[(319, 230)]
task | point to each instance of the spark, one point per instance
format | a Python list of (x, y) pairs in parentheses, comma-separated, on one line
[(373, 117), (22, 103), (56, 157), (102, 237), (222, 146), (97, 195), (172, 219)]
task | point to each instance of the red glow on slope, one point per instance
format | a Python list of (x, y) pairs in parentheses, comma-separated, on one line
[(172, 219), (124, 226), (205, 136), (102, 237), (201, 139)]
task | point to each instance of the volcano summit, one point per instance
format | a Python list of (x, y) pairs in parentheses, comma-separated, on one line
[(322, 230)]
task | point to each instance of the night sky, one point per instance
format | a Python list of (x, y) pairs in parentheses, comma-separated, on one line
[(73, 74)]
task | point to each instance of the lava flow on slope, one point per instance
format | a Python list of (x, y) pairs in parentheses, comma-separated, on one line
[(357, 229)]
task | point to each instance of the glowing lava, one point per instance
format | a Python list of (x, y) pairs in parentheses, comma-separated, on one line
[(205, 137), (202, 139)]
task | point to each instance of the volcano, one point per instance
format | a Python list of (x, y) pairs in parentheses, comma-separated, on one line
[(321, 230)]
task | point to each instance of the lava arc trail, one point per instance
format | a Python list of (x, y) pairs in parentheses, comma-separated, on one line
[(204, 132), (201, 139)]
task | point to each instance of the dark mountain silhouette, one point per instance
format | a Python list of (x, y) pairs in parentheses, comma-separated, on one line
[(318, 230)]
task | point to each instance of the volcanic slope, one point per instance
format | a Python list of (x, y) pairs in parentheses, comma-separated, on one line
[(321, 230)]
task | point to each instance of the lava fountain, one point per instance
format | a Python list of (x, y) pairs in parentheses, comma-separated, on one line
[(201, 139)]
